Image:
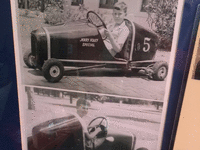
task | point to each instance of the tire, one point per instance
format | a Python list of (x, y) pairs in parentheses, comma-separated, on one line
[(28, 59), (160, 70), (197, 71), (53, 70)]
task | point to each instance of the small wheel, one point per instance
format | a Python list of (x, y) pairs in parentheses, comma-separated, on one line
[(29, 59), (53, 70), (160, 70), (197, 71)]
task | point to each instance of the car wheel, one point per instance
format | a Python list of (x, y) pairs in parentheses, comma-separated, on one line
[(29, 59), (53, 70), (160, 70), (197, 71)]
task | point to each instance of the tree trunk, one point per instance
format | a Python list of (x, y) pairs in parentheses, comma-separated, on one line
[(60, 95), (31, 102), (42, 6), (67, 8), (71, 99), (26, 4)]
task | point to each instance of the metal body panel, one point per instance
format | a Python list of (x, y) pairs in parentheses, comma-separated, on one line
[(80, 44), (58, 133), (66, 133), (145, 44), (122, 141)]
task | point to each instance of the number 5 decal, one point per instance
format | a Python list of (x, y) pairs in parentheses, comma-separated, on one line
[(146, 42)]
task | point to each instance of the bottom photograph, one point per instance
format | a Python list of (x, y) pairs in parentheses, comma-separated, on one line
[(65, 120)]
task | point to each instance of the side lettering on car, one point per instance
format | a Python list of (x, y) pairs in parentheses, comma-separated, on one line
[(147, 46), (88, 42)]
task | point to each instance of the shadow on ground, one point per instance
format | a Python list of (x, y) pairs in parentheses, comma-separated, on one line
[(96, 73)]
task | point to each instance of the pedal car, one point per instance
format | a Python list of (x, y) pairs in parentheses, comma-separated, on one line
[(67, 133), (83, 45)]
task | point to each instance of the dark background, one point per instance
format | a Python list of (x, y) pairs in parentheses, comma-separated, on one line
[(9, 123)]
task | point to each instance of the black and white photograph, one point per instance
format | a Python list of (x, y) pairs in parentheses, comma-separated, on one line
[(68, 120), (91, 46), (116, 56)]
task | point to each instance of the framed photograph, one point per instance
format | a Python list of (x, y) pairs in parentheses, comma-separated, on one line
[(111, 60)]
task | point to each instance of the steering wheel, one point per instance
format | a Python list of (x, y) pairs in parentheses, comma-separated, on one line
[(92, 128), (95, 19), (102, 123)]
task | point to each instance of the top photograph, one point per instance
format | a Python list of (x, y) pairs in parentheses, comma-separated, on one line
[(111, 47)]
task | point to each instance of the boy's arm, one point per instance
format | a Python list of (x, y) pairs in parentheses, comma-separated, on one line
[(93, 134), (85, 130), (116, 47), (118, 43)]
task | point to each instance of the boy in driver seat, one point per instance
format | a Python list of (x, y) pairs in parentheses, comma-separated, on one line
[(117, 32), (91, 141)]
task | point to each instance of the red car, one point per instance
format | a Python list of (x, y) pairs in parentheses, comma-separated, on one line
[(66, 133), (82, 44)]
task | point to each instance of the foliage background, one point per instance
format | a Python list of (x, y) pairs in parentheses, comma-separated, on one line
[(161, 18), (54, 12)]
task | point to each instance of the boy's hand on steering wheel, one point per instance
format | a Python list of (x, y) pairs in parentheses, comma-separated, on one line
[(107, 33)]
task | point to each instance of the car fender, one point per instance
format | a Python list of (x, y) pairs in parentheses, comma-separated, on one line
[(117, 139)]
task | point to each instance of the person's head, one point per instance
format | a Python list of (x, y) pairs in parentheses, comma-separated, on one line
[(119, 12), (82, 108)]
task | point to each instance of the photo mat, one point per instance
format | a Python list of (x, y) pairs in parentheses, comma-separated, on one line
[(63, 46)]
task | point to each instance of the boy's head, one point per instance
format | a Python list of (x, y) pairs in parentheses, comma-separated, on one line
[(82, 108), (119, 12)]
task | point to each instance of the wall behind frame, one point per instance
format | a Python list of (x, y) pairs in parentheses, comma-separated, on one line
[(9, 122)]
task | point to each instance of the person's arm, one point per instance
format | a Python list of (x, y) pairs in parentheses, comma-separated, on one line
[(118, 43), (115, 45), (85, 129), (93, 134)]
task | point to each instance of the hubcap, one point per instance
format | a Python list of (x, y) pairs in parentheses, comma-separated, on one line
[(162, 72), (54, 71)]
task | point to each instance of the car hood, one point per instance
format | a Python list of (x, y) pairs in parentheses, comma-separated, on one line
[(119, 136), (55, 131), (72, 30)]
